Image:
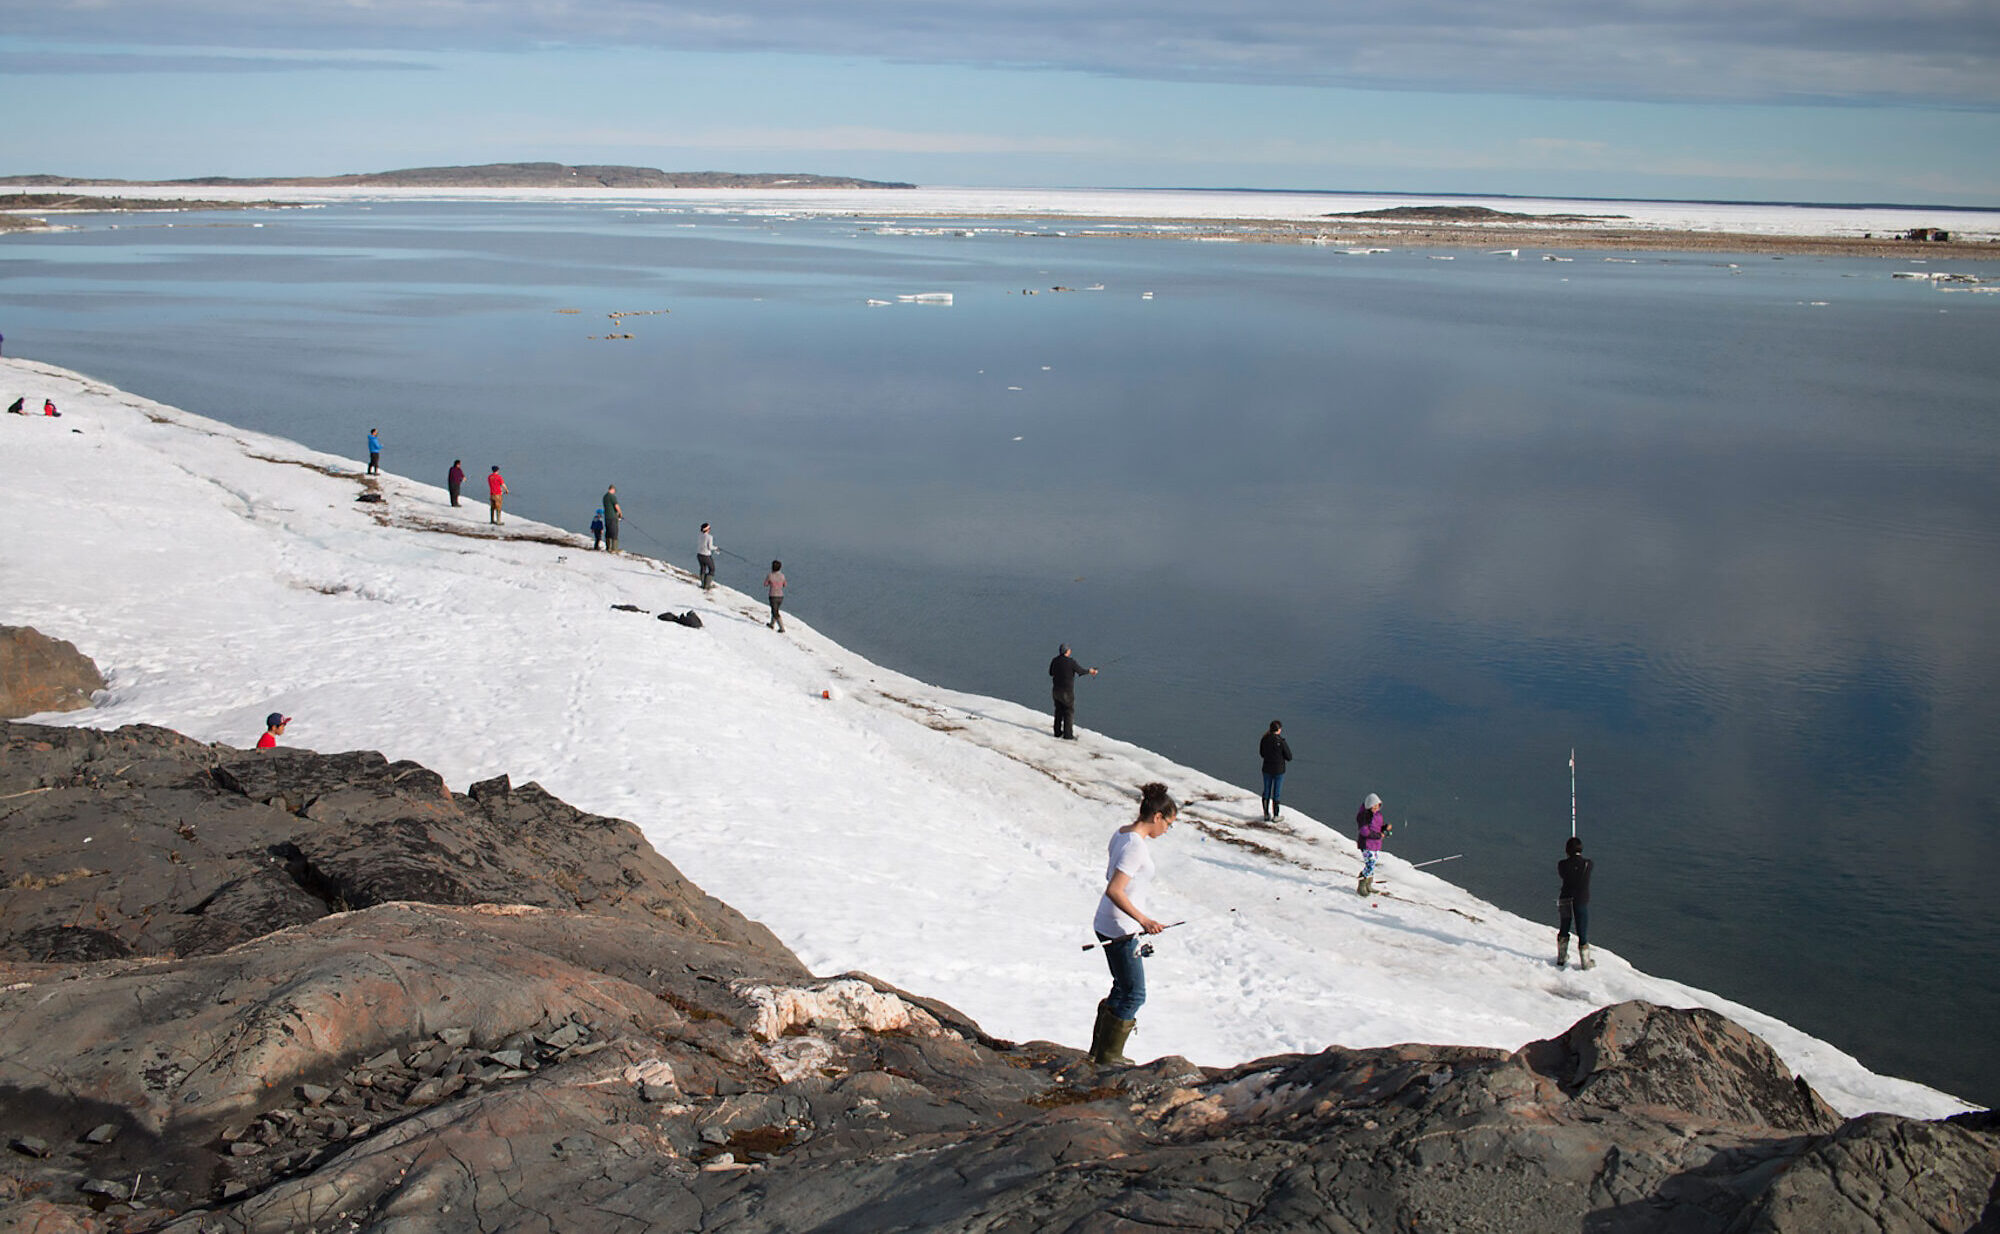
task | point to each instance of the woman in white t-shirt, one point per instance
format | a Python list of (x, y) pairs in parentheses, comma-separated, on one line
[(1120, 921)]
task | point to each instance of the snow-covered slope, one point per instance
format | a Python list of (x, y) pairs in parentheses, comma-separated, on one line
[(940, 840)]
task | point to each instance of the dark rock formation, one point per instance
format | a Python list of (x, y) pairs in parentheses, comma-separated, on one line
[(39, 673), (281, 991)]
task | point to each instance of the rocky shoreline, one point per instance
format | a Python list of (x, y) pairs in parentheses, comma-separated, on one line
[(278, 990)]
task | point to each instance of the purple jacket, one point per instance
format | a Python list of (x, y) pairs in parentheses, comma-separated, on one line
[(1372, 828)]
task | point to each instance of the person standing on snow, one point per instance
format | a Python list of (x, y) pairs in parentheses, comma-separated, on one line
[(774, 587), (704, 556), (374, 452), (1063, 672), (274, 728), (455, 478), (496, 488), (1276, 752), (597, 529), (612, 513), (1574, 904), (1371, 827), (1120, 921)]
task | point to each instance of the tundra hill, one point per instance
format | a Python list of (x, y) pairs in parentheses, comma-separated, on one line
[(502, 176)]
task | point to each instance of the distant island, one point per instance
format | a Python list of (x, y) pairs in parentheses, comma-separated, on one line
[(1469, 214), (495, 176)]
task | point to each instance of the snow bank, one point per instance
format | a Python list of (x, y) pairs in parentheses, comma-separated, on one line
[(938, 840)]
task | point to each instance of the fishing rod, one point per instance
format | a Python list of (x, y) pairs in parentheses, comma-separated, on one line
[(1572, 793), (1134, 934), (1433, 861)]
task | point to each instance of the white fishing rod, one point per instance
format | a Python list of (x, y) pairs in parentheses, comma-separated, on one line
[(1572, 792), (1433, 861), (1134, 934)]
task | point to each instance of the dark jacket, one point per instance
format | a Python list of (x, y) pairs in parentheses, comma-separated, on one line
[(1064, 670), (1575, 873), (1276, 752), (455, 477)]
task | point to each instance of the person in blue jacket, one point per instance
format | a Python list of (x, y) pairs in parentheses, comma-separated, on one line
[(597, 529), (374, 452)]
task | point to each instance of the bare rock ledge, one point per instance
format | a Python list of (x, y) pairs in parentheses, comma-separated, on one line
[(287, 991)]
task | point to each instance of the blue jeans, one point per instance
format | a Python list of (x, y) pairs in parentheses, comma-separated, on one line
[(1272, 783), (1566, 911), (1128, 976)]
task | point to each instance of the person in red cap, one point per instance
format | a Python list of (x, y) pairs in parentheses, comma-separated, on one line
[(274, 728)]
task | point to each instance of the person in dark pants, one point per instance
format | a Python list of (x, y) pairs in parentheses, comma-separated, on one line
[(597, 529), (1120, 921), (1063, 672), (704, 556), (774, 589), (455, 478), (612, 513), (374, 452), (1574, 905), (1276, 752)]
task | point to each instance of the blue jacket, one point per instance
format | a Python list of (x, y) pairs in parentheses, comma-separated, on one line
[(374, 444)]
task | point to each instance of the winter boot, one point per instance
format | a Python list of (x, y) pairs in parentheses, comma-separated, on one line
[(1583, 957), (1267, 808), (1366, 887), (1276, 810), (1116, 1033), (1562, 950), (1097, 1030)]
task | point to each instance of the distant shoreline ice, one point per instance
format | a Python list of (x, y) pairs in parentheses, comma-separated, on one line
[(1734, 218)]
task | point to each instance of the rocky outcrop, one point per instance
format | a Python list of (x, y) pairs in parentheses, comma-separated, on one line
[(39, 673), (285, 991)]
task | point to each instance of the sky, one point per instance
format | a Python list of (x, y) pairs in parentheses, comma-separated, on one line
[(1792, 100)]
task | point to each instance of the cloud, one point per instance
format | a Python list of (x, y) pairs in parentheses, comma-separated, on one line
[(67, 63), (1939, 52)]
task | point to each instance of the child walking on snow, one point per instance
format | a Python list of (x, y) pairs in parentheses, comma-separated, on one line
[(1371, 827)]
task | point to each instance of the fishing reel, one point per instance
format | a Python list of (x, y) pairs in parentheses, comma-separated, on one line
[(1145, 950)]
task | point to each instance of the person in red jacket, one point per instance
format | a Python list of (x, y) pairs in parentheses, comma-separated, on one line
[(49, 407), (274, 728), (496, 488)]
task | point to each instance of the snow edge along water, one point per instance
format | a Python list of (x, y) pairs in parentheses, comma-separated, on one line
[(938, 839)]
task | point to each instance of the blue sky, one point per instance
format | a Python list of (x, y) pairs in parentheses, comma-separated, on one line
[(1825, 100)]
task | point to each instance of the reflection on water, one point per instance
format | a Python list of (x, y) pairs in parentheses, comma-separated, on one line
[(1732, 534)]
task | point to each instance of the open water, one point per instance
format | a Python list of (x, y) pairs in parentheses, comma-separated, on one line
[(1727, 525)]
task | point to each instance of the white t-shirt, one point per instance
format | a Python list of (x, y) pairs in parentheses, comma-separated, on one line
[(1128, 852)]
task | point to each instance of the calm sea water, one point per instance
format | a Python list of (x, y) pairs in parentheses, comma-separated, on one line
[(1728, 526)]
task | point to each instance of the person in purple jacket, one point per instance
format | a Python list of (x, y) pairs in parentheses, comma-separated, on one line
[(1371, 827)]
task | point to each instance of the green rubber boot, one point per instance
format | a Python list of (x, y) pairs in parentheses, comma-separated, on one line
[(1562, 950), (1098, 1030), (1583, 957), (1116, 1033)]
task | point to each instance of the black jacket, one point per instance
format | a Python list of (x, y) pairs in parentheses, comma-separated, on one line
[(1065, 670), (1575, 873), (1276, 752)]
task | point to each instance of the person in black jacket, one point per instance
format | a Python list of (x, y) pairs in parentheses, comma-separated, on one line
[(1276, 752), (1574, 905), (1063, 672)]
